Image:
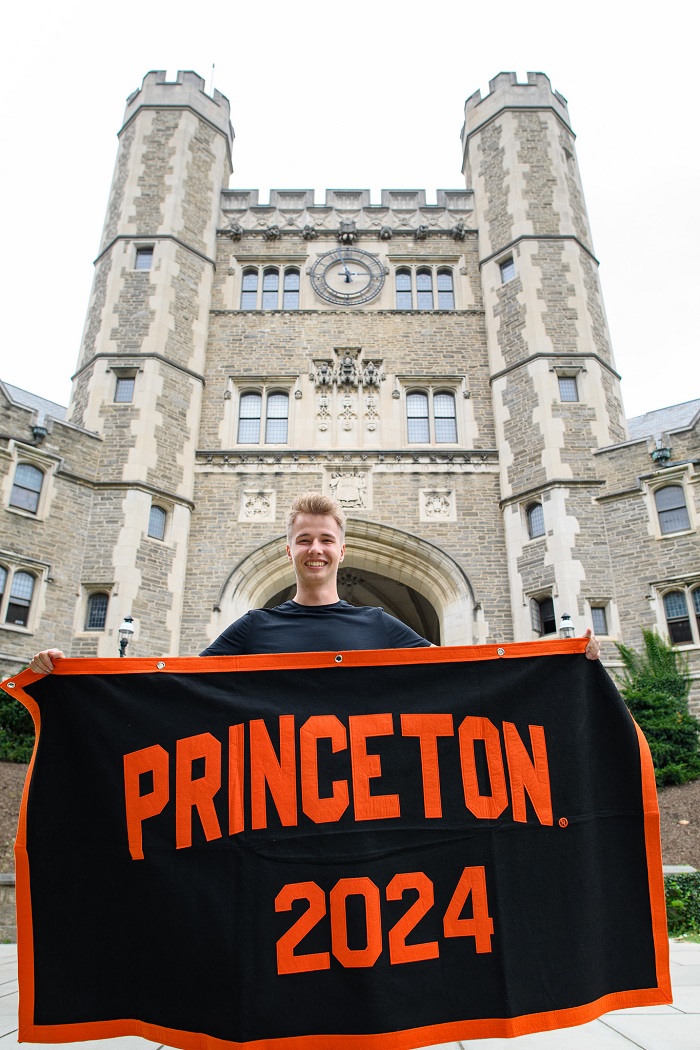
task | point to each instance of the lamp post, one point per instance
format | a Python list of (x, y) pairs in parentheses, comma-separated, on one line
[(566, 627), (126, 632)]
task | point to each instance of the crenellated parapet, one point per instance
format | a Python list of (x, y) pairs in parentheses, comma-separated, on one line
[(187, 91), (401, 212)]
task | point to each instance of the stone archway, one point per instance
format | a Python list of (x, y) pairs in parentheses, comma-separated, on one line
[(381, 556)]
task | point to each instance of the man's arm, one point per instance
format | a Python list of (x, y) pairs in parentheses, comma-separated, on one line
[(45, 661)]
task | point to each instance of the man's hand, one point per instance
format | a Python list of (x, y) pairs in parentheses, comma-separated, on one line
[(592, 651), (45, 661)]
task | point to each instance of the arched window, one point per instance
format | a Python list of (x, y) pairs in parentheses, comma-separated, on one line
[(445, 290), (542, 615), (677, 618), (404, 295), (445, 417), (535, 520), (3, 582), (249, 290), (696, 607), (96, 615), (290, 292), (249, 418), (417, 417), (424, 289), (671, 508), (271, 286), (20, 599), (276, 419), (156, 522), (27, 487)]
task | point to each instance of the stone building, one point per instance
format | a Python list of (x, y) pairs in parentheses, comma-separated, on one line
[(444, 370)]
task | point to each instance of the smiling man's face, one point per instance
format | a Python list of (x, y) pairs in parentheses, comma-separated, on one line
[(316, 549)]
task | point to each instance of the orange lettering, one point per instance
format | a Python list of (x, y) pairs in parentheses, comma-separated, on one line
[(485, 807), (279, 774), (366, 767), (526, 775), (428, 728), (321, 810), (236, 818), (154, 760), (196, 794)]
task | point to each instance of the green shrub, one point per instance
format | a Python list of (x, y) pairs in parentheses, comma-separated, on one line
[(16, 731), (655, 685), (683, 902)]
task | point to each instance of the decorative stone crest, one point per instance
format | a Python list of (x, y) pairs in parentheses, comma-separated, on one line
[(437, 505), (349, 488), (347, 415), (257, 505), (371, 413), (323, 415), (347, 233)]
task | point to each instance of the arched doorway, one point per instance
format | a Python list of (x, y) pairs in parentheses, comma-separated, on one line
[(407, 575)]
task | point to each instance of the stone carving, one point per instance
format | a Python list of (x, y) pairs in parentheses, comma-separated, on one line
[(309, 233), (459, 232), (235, 230), (272, 233), (372, 413), (347, 234), (346, 414), (323, 415), (347, 581), (349, 489), (347, 371), (257, 506), (323, 375), (386, 233), (422, 233), (437, 505), (371, 374)]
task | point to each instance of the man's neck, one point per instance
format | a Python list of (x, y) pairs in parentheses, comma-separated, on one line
[(311, 596)]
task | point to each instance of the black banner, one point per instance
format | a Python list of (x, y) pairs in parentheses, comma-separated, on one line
[(383, 850)]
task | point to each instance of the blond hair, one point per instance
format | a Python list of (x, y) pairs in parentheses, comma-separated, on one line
[(319, 505)]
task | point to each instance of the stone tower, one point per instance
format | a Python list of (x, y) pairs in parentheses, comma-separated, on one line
[(555, 391), (140, 374)]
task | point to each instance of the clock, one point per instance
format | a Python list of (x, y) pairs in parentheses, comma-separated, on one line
[(347, 277)]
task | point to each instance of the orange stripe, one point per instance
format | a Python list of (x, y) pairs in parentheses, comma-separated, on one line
[(293, 661), (23, 900), (480, 1028), (655, 873)]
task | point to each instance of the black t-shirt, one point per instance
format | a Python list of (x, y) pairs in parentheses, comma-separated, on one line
[(294, 628)]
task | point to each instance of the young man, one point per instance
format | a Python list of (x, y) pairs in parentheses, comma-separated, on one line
[(315, 620)]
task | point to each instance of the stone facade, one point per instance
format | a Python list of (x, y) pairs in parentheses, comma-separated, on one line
[(444, 370)]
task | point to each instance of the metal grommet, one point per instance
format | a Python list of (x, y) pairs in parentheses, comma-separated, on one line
[(339, 659), (10, 685), (501, 652), (160, 665)]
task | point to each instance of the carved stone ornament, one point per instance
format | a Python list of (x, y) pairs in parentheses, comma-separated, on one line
[(386, 233), (436, 505), (459, 232), (324, 373), (272, 233), (346, 414), (309, 233), (422, 233), (372, 375), (349, 489), (235, 230), (347, 371), (323, 415), (347, 233), (257, 506), (371, 413)]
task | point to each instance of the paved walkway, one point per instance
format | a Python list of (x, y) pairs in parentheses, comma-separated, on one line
[(674, 1027)]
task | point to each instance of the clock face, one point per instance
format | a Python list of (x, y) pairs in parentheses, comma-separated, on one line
[(347, 277)]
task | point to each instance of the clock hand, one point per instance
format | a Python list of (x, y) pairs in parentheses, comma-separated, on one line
[(348, 275)]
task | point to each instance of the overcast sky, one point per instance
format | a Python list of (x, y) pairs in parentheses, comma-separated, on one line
[(355, 94)]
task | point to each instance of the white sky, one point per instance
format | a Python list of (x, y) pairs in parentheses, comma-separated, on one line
[(351, 94)]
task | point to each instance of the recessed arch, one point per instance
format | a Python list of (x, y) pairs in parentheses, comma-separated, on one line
[(375, 548)]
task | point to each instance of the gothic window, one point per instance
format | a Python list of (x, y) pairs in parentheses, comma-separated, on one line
[(270, 288), (599, 619), (290, 292), (445, 289), (276, 418), (507, 268), (424, 289), (542, 615), (417, 417), (445, 417), (249, 289), (96, 614), (568, 388), (404, 294), (156, 522), (671, 509), (26, 489), (144, 258), (535, 520), (20, 600), (677, 618), (124, 389), (3, 582)]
